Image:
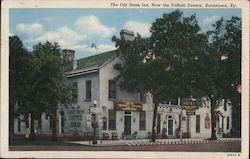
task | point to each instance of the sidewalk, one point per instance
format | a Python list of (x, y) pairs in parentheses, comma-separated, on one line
[(138, 142)]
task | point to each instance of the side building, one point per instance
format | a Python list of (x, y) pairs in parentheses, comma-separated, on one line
[(121, 114)]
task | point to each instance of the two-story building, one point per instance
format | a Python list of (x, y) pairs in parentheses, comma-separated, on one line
[(121, 112)]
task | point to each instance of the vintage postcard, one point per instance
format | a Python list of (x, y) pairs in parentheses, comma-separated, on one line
[(124, 79)]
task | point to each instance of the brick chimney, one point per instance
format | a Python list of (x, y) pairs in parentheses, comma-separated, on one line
[(127, 35), (69, 57)]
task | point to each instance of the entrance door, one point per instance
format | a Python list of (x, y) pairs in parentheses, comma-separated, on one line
[(127, 123), (170, 126)]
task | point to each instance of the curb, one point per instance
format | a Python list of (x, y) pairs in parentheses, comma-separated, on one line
[(140, 143)]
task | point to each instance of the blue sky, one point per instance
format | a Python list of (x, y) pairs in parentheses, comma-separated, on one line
[(78, 29)]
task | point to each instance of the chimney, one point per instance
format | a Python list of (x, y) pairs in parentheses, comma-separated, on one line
[(69, 57), (127, 35)]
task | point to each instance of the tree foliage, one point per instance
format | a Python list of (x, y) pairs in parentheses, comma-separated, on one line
[(18, 71), (179, 60), (42, 85)]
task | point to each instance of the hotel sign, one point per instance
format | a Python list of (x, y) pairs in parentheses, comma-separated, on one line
[(127, 106), (190, 106)]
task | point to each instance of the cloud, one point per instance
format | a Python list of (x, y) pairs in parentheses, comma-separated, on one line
[(210, 20), (138, 27), (30, 28), (63, 35), (91, 25)]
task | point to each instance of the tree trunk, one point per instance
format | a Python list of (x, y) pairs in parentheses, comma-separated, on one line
[(154, 119), (213, 119), (236, 115), (54, 126), (32, 128)]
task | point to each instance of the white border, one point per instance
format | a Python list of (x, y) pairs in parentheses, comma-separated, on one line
[(244, 5)]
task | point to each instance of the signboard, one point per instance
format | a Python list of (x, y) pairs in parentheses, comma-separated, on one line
[(127, 106), (190, 106), (75, 117)]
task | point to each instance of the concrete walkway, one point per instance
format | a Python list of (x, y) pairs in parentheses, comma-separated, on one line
[(157, 142)]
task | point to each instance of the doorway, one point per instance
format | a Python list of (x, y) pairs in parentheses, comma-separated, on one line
[(170, 126), (127, 123)]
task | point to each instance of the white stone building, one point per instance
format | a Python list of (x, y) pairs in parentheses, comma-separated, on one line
[(121, 112)]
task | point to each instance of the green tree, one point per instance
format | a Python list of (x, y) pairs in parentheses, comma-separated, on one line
[(165, 64), (49, 79), (19, 61), (226, 43)]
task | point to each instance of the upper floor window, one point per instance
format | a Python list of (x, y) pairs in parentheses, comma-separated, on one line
[(88, 90), (142, 97), (225, 105), (75, 92), (112, 89)]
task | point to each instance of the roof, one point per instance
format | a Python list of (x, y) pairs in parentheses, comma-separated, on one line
[(96, 60)]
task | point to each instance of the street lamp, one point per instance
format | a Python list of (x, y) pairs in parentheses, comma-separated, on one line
[(94, 123)]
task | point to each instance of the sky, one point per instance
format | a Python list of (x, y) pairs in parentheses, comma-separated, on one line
[(78, 29)]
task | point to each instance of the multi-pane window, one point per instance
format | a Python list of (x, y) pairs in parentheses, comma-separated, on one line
[(142, 97), (75, 92), (142, 125), (104, 126), (27, 120), (50, 122), (225, 105), (88, 90), (39, 122), (112, 89), (112, 119), (198, 118), (158, 123), (227, 122), (19, 123)]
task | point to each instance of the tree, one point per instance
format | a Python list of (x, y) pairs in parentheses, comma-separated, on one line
[(226, 43), (165, 64), (19, 60), (49, 80)]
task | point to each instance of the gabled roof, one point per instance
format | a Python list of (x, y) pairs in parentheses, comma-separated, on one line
[(91, 63), (96, 60)]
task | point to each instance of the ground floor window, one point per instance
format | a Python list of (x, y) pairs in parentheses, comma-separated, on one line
[(228, 123), (112, 119), (19, 123), (158, 124), (198, 123), (27, 120), (39, 123), (142, 125), (104, 126)]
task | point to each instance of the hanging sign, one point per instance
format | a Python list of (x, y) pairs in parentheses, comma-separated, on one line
[(127, 106), (190, 106)]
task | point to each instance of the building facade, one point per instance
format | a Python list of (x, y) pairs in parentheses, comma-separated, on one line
[(120, 112)]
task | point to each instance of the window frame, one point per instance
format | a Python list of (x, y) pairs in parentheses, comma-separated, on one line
[(111, 91), (112, 121), (88, 93), (197, 123), (142, 122)]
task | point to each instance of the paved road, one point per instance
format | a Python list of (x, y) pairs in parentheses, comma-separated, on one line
[(208, 147)]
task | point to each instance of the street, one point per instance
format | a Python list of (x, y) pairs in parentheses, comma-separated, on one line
[(205, 147)]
